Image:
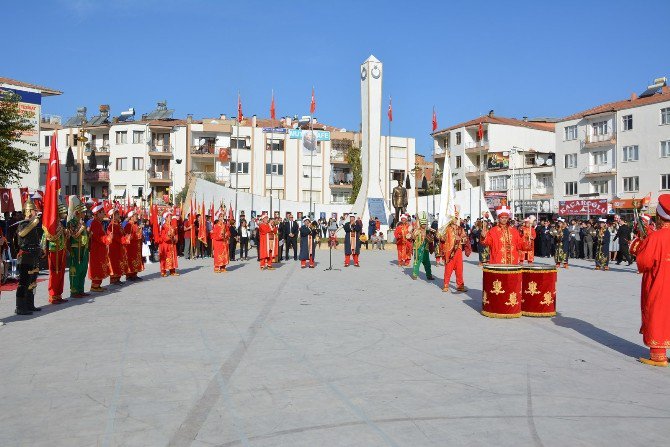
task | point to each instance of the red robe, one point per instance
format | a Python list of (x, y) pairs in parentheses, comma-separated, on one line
[(220, 239), (527, 250), (403, 245), (268, 242), (167, 250), (653, 261), (118, 261), (504, 243), (98, 262), (135, 262)]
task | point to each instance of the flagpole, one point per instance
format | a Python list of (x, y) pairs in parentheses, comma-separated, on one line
[(272, 137), (389, 177), (237, 149), (311, 153)]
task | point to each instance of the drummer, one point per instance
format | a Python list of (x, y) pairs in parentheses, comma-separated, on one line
[(503, 240)]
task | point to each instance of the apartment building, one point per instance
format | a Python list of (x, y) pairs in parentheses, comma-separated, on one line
[(513, 159), (617, 151), (156, 154)]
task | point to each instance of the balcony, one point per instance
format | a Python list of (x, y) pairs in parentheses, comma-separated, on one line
[(101, 148), (475, 147), (160, 177), (474, 171), (98, 176), (593, 141), (214, 177), (594, 171), (440, 153), (338, 157), (160, 150)]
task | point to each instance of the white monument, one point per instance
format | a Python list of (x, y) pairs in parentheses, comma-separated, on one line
[(370, 200)]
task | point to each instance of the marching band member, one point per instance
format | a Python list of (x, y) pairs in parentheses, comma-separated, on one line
[(167, 250), (402, 244), (118, 260), (28, 259), (561, 236), (423, 240), (55, 249), (98, 262), (502, 240), (268, 242), (455, 242), (653, 261), (527, 252), (220, 243), (134, 259), (307, 244), (78, 251), (352, 240), (602, 246)]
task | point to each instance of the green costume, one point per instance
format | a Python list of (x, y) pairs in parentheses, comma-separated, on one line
[(79, 247), (421, 250)]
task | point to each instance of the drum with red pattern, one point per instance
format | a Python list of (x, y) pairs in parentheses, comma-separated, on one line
[(501, 291), (539, 291)]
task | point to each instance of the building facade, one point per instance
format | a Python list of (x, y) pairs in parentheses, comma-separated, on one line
[(617, 151), (512, 159), (157, 155)]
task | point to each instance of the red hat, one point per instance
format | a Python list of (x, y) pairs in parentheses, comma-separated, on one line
[(663, 207)]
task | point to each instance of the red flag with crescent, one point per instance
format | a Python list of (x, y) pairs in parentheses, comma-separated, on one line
[(6, 201), (50, 212)]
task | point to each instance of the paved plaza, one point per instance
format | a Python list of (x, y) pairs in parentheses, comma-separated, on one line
[(355, 357)]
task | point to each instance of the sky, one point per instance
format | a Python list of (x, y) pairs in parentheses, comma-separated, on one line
[(518, 58)]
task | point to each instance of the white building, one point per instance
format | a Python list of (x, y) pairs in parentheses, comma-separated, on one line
[(157, 152), (30, 104), (616, 151), (488, 149)]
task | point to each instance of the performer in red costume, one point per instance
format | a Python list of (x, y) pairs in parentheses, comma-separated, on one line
[(503, 240), (403, 245), (268, 242), (220, 241), (118, 261), (167, 250), (454, 241), (653, 261), (135, 262), (527, 233), (98, 262)]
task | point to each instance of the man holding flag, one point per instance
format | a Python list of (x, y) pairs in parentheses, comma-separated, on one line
[(54, 246)]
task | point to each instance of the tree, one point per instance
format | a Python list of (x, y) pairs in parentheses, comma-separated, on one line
[(14, 161), (353, 157)]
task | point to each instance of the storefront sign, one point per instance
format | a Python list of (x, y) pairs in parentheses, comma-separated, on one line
[(532, 206), (629, 204), (583, 207), (321, 135), (275, 130)]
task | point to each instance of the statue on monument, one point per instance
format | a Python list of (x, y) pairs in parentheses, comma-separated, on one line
[(399, 200)]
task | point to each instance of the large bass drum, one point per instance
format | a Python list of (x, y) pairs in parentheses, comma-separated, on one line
[(501, 291), (539, 291)]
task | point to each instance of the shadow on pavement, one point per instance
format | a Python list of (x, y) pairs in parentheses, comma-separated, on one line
[(51, 308), (600, 336), (474, 299)]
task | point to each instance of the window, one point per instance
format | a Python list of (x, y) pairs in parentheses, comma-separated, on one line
[(570, 188), (315, 196), (43, 168), (631, 184), (600, 128), (138, 137), (628, 122), (665, 115), (600, 157), (105, 139), (121, 164), (277, 145), (544, 181), (570, 133), (570, 161), (601, 186), (47, 140), (630, 153), (161, 141), (121, 137), (274, 169), (665, 181), (529, 160), (458, 161), (276, 193), (446, 141), (138, 163), (314, 172), (238, 143), (665, 148), (521, 181), (338, 197), (239, 168), (120, 190), (458, 138), (498, 183), (458, 185)]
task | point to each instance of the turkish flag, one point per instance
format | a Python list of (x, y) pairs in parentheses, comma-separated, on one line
[(6, 202), (38, 200), (202, 230), (224, 155), (480, 132), (50, 214), (390, 112), (231, 212), (434, 120), (239, 108), (273, 112), (312, 104), (24, 196)]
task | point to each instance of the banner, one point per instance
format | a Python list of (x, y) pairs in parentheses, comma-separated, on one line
[(495, 199), (497, 160), (629, 204), (532, 206), (583, 207)]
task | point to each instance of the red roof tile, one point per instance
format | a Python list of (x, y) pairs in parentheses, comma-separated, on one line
[(630, 103), (486, 119)]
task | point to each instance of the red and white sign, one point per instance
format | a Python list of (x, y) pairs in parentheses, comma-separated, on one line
[(583, 207)]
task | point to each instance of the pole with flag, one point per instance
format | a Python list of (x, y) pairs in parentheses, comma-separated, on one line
[(388, 157), (237, 142), (50, 209), (272, 138), (312, 109)]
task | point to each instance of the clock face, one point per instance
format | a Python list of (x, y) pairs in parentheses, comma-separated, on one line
[(364, 74), (375, 72)]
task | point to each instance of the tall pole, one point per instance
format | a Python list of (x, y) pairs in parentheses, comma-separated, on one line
[(80, 156), (237, 159), (390, 171), (311, 162), (272, 134), (511, 160)]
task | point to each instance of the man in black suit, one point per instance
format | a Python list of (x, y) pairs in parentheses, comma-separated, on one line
[(623, 234), (232, 243), (290, 230)]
